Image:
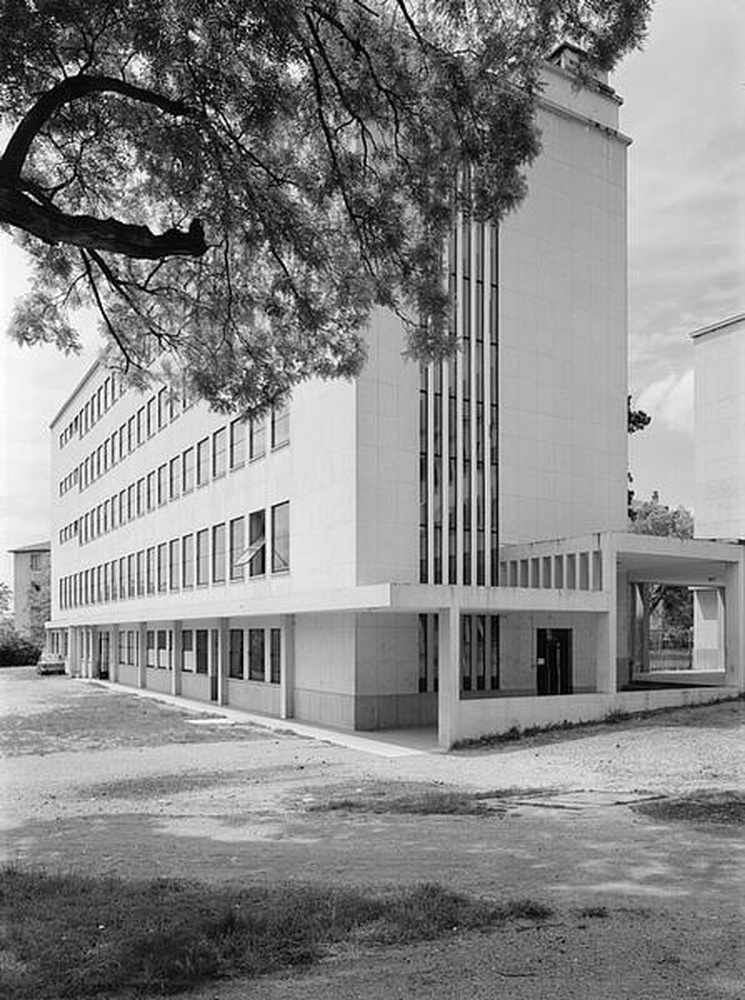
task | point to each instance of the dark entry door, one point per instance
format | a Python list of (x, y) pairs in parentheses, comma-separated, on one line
[(103, 655), (554, 660)]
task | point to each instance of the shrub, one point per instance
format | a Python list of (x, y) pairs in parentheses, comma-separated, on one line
[(17, 651)]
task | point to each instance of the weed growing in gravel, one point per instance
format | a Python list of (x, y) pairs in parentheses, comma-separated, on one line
[(70, 936), (419, 800)]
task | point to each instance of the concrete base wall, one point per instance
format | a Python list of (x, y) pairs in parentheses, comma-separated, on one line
[(253, 696), (196, 686), (158, 680), (488, 717), (395, 711), (127, 674)]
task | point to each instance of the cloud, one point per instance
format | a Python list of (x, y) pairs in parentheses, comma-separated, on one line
[(670, 400)]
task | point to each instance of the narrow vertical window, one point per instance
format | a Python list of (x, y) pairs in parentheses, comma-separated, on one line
[(235, 648), (275, 655), (187, 464), (187, 561), (203, 461), (218, 553), (256, 668), (281, 537), (257, 543), (203, 563), (257, 436), (202, 650), (150, 570), (162, 568), (219, 453), (237, 443), (187, 650), (174, 563), (281, 425), (174, 483), (237, 544)]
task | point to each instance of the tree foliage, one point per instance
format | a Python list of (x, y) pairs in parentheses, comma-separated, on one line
[(240, 182), (6, 597)]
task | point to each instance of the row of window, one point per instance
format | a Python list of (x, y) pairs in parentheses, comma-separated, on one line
[(254, 654), (91, 412), (154, 416), (211, 555), (209, 459), (479, 654)]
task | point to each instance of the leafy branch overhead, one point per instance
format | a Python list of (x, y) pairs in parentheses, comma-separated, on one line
[(241, 182)]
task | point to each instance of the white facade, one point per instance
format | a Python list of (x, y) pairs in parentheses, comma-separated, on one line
[(719, 366), (396, 581), (31, 575)]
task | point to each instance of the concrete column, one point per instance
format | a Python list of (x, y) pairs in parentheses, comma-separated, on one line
[(448, 645), (287, 668), (142, 655), (114, 653), (222, 667), (73, 652), (177, 659), (607, 629)]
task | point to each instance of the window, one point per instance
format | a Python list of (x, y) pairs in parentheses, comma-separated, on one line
[(162, 568), (140, 426), (150, 417), (173, 478), (162, 477), (131, 575), (203, 461), (123, 592), (140, 573), (255, 555), (174, 563), (150, 643), (150, 571), (281, 426), (161, 409), (131, 502), (218, 553), (140, 497), (275, 655), (235, 662), (256, 669), (162, 649), (219, 454), (187, 561), (202, 647), (237, 443), (187, 650), (237, 542), (35, 560), (187, 468), (151, 490), (203, 557), (281, 537), (131, 434), (258, 438)]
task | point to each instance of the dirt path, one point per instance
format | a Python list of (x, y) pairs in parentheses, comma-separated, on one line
[(102, 781)]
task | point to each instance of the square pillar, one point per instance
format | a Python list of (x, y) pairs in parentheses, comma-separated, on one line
[(448, 696), (287, 668), (177, 659), (222, 665), (606, 671), (114, 653), (142, 655)]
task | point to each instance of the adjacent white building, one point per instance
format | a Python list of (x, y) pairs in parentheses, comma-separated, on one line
[(31, 576), (436, 546)]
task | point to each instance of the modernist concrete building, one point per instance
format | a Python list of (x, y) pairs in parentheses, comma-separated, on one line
[(31, 582), (719, 378), (380, 554)]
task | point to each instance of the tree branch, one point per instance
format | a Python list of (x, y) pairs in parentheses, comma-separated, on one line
[(53, 226), (65, 92)]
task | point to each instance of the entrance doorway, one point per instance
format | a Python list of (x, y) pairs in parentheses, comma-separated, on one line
[(554, 660), (103, 655)]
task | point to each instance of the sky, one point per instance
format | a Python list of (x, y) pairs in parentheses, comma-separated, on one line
[(683, 107)]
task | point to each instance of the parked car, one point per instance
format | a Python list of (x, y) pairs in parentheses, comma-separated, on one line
[(50, 663)]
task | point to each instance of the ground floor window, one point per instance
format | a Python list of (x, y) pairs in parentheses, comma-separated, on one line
[(202, 647), (428, 653), (235, 664), (275, 655), (256, 669), (187, 650), (479, 654)]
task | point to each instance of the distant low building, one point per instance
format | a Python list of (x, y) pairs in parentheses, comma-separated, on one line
[(32, 571)]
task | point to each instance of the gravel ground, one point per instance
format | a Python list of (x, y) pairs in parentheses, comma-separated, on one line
[(104, 781)]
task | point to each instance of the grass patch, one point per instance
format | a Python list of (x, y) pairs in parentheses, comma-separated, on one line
[(725, 808), (71, 936), (411, 799)]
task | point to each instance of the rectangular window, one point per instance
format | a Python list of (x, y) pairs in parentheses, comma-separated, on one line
[(187, 650), (131, 575), (187, 561), (237, 543), (162, 649), (162, 568), (203, 461), (202, 650), (187, 468), (281, 426), (203, 563), (140, 573), (235, 664), (257, 438), (162, 484), (131, 502), (150, 570), (151, 490), (140, 497), (219, 453), (174, 563), (131, 434), (150, 647), (218, 553), (256, 554), (281, 537), (173, 478), (237, 443), (150, 419), (140, 426), (256, 669), (123, 591), (275, 655), (162, 408)]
